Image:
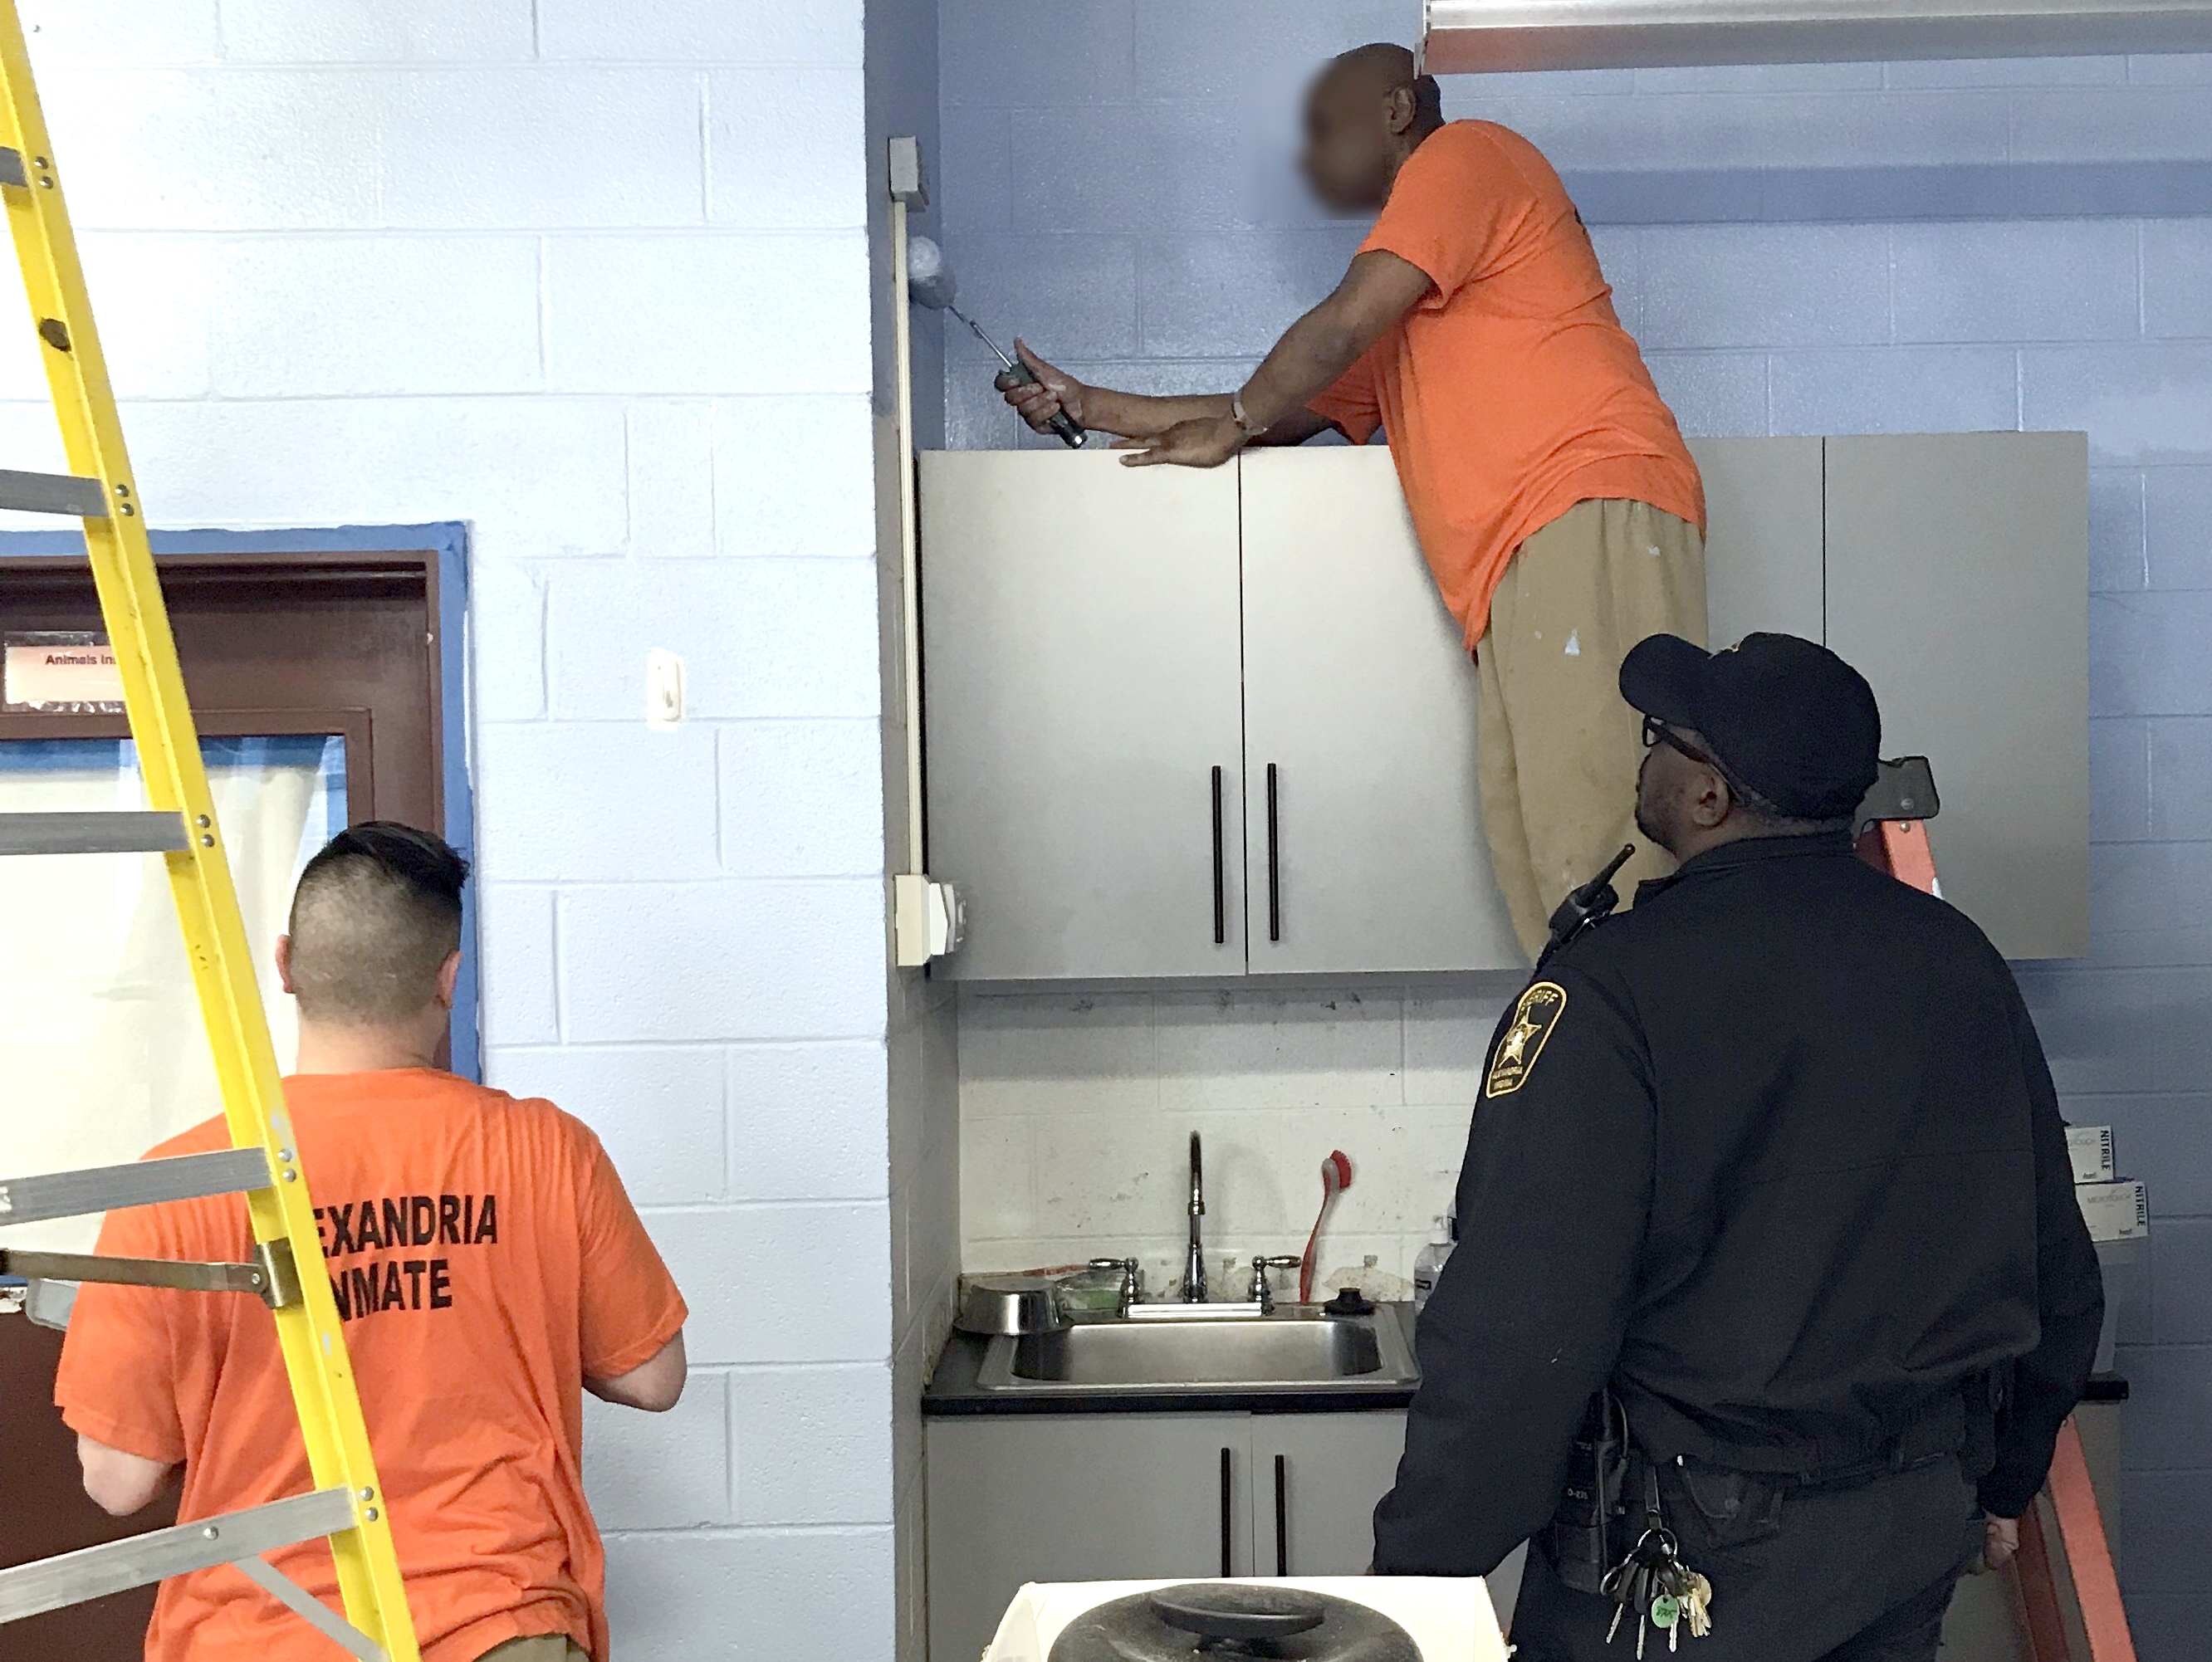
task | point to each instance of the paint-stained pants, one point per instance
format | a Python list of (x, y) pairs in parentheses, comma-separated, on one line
[(1558, 748), (548, 1647)]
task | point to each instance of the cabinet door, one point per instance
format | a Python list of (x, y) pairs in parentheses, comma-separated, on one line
[(1365, 847), (1080, 639), (1087, 1497), (1763, 537), (1316, 1481), (1958, 584)]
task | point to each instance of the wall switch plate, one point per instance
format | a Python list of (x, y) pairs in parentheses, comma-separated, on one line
[(664, 688)]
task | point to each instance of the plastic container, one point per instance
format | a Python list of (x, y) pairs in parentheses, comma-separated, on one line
[(1429, 1262)]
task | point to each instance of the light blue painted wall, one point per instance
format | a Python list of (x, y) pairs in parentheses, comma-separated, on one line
[(1116, 187)]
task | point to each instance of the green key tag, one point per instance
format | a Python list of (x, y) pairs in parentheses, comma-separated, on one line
[(1666, 1611)]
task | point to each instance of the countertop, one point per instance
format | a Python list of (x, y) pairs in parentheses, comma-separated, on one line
[(953, 1390)]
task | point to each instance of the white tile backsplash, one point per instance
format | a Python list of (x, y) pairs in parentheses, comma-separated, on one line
[(1076, 1108)]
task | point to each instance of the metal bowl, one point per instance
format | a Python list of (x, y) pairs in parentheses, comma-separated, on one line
[(1011, 1304)]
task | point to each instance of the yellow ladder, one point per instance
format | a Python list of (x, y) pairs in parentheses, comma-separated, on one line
[(347, 1504)]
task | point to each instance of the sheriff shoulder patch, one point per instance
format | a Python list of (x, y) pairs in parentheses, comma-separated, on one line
[(1533, 1018)]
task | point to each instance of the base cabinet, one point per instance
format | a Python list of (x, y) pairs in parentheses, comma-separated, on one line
[(1091, 1497)]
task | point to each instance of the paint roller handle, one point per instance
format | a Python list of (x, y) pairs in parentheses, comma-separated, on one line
[(1018, 374)]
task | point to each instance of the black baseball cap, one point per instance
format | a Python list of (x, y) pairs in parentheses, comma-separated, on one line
[(1788, 717)]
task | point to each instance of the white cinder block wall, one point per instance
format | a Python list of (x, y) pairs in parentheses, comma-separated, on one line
[(1076, 1111), (591, 274)]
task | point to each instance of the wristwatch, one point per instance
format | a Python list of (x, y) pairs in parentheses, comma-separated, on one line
[(1250, 429)]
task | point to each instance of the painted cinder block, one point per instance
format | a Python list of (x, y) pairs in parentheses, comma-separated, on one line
[(1233, 296), (656, 1108), (771, 1593), (2177, 526), (759, 638), (244, 150), (543, 147), (660, 1472), (339, 317), (2146, 653), (514, 935), (771, 496), (1069, 296), (2118, 546), (63, 33), (153, 296), (671, 479), (746, 960), (2177, 264), (1713, 394), (2043, 280), (2150, 903), (1034, 53), (801, 799), (807, 1121), (596, 801), (768, 167), (1765, 285), (2140, 404), (2119, 780), (2112, 123), (2181, 780), (812, 1445), (373, 31), (506, 642), (764, 1282), (534, 476), (816, 32), (1922, 389), (780, 313)]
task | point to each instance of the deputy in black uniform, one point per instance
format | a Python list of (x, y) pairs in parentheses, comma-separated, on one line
[(1773, 1162)]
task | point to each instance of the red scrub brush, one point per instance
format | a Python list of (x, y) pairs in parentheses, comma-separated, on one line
[(1335, 1178)]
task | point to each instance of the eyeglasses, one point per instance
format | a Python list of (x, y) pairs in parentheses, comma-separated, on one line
[(1656, 732)]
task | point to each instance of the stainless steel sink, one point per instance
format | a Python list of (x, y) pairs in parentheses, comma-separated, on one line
[(1288, 1351)]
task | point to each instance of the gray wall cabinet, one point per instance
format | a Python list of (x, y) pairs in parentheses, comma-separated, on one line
[(1099, 639), (1088, 1497)]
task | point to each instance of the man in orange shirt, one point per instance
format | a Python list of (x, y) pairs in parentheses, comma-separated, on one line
[(1552, 494), (490, 1271)]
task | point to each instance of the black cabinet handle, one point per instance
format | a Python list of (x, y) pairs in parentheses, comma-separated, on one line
[(1228, 1557), (1282, 1515), (1220, 880), (1274, 867)]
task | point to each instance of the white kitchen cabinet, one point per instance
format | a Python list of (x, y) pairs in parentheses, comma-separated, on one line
[(1763, 551), (1958, 583), (1083, 702), (1316, 1481), (1087, 1497), (1363, 826), (1100, 640)]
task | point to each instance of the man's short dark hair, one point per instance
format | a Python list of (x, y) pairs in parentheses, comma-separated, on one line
[(1395, 66), (376, 914)]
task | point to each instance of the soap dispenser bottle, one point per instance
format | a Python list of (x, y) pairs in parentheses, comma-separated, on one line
[(1429, 1262)]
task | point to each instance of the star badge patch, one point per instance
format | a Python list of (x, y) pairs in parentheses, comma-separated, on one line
[(1533, 1018)]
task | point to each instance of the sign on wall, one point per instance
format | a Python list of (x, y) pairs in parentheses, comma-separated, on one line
[(60, 672)]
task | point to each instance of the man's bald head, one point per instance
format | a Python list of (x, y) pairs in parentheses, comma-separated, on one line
[(1365, 114), (376, 915)]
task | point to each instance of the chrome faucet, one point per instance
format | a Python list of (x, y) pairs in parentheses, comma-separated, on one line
[(1193, 1269)]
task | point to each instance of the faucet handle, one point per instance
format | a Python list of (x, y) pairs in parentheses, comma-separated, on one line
[(1263, 1291), (1133, 1278)]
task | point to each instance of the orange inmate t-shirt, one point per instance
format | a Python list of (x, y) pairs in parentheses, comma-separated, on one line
[(1511, 392), (485, 1260)]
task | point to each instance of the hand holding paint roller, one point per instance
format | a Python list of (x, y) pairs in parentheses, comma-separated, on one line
[(930, 283)]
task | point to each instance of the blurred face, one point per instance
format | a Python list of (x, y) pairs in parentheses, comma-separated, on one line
[(1353, 125)]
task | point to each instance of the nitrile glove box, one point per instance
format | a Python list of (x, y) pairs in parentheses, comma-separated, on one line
[(2114, 1211), (1450, 1620), (2091, 1147)]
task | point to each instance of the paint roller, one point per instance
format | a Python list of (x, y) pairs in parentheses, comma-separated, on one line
[(929, 282)]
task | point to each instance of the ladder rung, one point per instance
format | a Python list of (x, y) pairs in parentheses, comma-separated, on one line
[(141, 1183), (53, 492), (134, 832), (11, 168), (48, 1583), (179, 1275)]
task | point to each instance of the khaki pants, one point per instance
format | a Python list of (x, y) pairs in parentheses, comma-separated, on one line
[(543, 1647), (1559, 747)]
